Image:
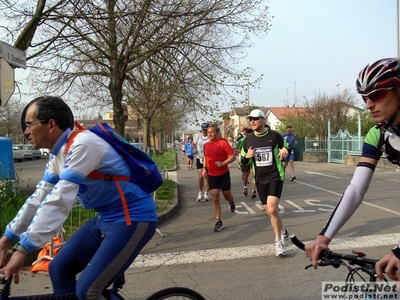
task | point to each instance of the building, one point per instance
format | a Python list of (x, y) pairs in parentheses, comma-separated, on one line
[(234, 120), (276, 115)]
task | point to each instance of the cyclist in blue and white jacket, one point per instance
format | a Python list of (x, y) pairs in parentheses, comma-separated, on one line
[(104, 247), (379, 85)]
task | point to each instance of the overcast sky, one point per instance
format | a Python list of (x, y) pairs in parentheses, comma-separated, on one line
[(313, 45)]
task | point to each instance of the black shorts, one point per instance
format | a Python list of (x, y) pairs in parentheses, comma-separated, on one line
[(222, 182), (245, 168), (273, 188), (190, 156), (199, 165)]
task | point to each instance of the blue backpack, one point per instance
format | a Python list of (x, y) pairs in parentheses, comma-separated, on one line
[(144, 171)]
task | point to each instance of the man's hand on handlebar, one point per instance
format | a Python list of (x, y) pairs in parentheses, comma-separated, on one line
[(314, 249), (390, 264), (4, 244), (14, 265)]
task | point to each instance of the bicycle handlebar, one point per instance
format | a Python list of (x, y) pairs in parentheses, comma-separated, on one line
[(2, 279), (331, 258)]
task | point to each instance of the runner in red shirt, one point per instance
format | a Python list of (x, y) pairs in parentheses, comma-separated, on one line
[(218, 154)]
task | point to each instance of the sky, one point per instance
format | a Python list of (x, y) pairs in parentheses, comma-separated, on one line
[(319, 46), (316, 46)]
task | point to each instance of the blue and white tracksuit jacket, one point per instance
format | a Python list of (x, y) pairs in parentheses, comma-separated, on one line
[(64, 181)]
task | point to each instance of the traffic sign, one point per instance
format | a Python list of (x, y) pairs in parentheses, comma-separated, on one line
[(14, 56), (7, 86)]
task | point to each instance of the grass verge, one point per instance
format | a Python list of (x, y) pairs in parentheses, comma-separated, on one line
[(13, 197), (165, 195)]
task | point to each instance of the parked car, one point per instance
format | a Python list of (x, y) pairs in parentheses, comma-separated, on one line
[(138, 145), (35, 152), (18, 153), (28, 153), (44, 151)]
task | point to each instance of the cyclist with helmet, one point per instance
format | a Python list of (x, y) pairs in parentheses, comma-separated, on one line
[(378, 83)]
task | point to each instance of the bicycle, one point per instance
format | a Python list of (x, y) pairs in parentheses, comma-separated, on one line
[(113, 294), (355, 262)]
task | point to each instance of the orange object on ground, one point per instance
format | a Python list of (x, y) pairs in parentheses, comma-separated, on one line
[(46, 255)]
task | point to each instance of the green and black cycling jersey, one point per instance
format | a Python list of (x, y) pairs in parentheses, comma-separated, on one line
[(376, 142), (266, 164)]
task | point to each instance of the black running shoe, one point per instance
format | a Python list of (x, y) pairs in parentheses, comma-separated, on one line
[(232, 206), (218, 226)]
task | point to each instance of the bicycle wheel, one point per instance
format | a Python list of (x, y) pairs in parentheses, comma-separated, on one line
[(176, 293)]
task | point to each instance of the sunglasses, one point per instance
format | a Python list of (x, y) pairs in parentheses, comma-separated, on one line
[(376, 95), (253, 119)]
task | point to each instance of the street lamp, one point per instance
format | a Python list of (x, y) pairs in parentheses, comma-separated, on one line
[(338, 84)]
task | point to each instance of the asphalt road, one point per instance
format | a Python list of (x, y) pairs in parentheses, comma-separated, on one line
[(239, 262)]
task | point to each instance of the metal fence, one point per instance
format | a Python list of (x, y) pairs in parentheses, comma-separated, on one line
[(337, 146), (77, 217), (342, 144), (315, 145)]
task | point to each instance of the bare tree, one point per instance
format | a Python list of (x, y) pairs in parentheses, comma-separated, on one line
[(10, 120), (85, 49), (312, 120)]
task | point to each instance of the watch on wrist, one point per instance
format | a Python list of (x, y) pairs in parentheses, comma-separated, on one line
[(396, 251), (20, 248)]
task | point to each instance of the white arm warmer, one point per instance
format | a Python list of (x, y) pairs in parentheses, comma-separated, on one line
[(351, 199)]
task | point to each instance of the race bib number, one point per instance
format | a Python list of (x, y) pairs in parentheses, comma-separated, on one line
[(263, 157)]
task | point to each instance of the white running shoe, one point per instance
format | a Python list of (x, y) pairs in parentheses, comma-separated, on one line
[(206, 199), (280, 248), (285, 237), (199, 197)]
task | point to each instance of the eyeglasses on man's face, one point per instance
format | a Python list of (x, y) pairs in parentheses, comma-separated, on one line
[(254, 119), (376, 95), (29, 124)]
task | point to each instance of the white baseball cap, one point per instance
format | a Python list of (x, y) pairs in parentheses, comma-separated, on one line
[(256, 113)]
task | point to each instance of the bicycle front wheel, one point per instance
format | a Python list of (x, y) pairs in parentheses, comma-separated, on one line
[(176, 293)]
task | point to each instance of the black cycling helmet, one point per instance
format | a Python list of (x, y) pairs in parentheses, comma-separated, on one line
[(380, 74)]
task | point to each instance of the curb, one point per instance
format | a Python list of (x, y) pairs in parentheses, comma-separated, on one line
[(171, 211), (174, 208)]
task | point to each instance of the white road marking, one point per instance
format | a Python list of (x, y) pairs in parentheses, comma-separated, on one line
[(299, 209), (250, 210), (321, 174), (340, 194), (319, 188), (200, 256)]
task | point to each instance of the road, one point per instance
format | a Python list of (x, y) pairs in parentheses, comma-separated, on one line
[(29, 173), (239, 262)]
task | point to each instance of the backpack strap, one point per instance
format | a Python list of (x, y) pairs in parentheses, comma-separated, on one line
[(97, 175), (73, 134)]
